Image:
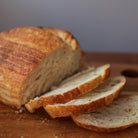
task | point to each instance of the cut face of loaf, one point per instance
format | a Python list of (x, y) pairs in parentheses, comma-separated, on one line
[(72, 87), (119, 115), (34, 59), (91, 101)]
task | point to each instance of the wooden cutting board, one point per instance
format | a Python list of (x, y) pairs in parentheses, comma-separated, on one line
[(23, 125)]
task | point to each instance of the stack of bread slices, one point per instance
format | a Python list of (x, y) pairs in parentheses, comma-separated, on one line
[(88, 97), (45, 67)]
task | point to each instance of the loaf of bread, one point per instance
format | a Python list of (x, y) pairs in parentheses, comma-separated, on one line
[(103, 95), (72, 87), (119, 115), (33, 63), (32, 59)]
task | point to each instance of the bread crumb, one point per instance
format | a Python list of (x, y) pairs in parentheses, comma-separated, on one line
[(43, 121), (20, 111)]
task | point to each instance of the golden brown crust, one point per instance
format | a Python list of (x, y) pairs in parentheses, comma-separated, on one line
[(34, 104), (21, 51), (33, 37), (17, 57), (101, 129), (12, 102), (84, 88), (71, 110)]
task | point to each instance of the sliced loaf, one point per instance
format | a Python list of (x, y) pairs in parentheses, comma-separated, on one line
[(119, 115), (32, 59), (91, 101), (72, 87)]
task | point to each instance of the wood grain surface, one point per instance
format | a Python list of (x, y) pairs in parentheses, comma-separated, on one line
[(26, 125)]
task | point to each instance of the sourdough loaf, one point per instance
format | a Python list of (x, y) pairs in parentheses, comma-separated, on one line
[(71, 87), (119, 115), (91, 101), (32, 59)]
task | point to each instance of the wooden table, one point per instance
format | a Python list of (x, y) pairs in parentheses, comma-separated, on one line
[(39, 124)]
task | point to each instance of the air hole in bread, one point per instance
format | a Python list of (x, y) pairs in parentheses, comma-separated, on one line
[(113, 84), (117, 81), (38, 77)]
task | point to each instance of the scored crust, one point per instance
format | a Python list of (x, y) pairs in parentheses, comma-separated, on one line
[(21, 51), (104, 129), (73, 93), (70, 110)]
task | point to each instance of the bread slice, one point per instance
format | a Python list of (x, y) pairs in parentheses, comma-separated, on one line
[(97, 98), (72, 87), (32, 59), (119, 115)]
